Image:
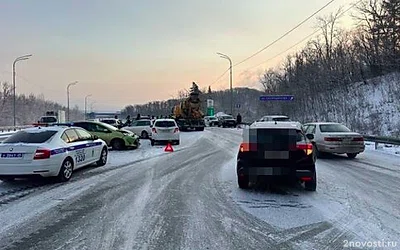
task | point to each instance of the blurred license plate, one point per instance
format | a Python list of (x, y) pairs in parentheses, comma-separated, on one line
[(11, 155), (276, 155)]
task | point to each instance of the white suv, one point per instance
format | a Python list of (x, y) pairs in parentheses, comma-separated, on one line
[(141, 127), (165, 130)]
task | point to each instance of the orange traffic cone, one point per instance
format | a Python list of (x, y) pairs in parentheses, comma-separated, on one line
[(169, 148)]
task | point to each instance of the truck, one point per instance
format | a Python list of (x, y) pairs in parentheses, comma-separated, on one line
[(187, 113), (51, 117)]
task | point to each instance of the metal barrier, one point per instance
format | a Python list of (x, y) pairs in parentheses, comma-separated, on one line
[(382, 139)]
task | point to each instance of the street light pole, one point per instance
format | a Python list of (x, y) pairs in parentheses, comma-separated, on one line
[(230, 78), (21, 58), (86, 97), (69, 85)]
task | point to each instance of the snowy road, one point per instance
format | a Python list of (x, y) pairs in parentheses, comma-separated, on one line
[(148, 199)]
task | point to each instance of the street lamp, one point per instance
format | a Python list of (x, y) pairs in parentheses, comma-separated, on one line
[(230, 79), (21, 58), (69, 85), (86, 97)]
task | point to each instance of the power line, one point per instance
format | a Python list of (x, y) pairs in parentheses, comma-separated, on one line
[(287, 33), (305, 38), (219, 77)]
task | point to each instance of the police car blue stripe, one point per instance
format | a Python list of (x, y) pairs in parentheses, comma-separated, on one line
[(81, 146)]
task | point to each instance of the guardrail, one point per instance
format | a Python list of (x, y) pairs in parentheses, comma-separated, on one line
[(381, 139)]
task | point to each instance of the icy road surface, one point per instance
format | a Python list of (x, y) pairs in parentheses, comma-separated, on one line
[(188, 199)]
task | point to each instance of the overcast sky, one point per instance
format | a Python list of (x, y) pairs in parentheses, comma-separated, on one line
[(129, 51)]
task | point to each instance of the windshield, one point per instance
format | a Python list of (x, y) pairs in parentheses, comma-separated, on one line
[(110, 127), (333, 128), (30, 137), (227, 117)]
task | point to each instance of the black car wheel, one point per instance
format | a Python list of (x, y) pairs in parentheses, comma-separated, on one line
[(117, 144), (311, 185), (351, 155), (144, 135)]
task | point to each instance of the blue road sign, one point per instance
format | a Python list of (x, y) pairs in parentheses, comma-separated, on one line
[(276, 98)]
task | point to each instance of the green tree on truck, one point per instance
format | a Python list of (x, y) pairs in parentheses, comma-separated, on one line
[(188, 114)]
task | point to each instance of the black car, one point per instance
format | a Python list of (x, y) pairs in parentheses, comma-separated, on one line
[(276, 150), (227, 121)]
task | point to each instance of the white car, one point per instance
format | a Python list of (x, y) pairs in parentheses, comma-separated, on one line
[(50, 151), (211, 121), (165, 130), (141, 127)]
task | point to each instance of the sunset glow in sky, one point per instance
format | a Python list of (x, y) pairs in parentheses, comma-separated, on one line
[(130, 51)]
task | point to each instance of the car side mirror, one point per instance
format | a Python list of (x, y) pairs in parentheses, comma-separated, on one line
[(95, 137), (310, 136)]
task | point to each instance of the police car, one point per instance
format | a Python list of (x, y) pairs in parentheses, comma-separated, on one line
[(49, 151), (276, 150)]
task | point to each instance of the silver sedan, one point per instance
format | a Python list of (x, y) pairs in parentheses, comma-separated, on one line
[(335, 138)]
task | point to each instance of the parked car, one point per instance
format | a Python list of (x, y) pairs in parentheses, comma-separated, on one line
[(116, 138), (276, 150), (211, 121), (111, 121), (50, 151), (141, 127), (330, 137), (226, 121), (165, 131)]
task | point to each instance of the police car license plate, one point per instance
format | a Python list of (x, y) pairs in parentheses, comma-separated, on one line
[(11, 155), (281, 155)]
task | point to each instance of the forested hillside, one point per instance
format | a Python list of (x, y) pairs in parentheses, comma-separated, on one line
[(28, 108)]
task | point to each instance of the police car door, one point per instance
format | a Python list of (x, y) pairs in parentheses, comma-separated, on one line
[(76, 148), (92, 148)]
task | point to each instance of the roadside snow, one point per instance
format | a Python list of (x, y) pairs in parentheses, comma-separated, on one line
[(383, 148)]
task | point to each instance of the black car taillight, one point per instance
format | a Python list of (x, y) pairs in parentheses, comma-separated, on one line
[(307, 147)]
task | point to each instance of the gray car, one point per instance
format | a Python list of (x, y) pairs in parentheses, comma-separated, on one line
[(330, 137)]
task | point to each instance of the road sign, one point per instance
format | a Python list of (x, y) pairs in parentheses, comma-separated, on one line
[(210, 111), (276, 98), (238, 106), (210, 103)]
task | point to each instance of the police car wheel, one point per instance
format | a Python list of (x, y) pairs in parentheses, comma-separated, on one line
[(103, 157), (66, 170)]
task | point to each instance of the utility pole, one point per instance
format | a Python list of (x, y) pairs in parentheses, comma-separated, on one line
[(69, 85), (230, 78), (86, 97), (21, 58)]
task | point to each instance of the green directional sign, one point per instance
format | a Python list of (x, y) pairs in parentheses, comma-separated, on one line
[(210, 111)]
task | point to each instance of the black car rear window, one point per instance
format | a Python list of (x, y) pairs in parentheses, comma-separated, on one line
[(333, 128), (274, 139), (30, 137), (281, 119), (48, 119), (164, 124)]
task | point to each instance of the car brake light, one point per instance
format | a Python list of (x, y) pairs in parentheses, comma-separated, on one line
[(308, 148), (42, 154), (246, 147), (154, 130), (176, 130), (358, 139), (332, 139)]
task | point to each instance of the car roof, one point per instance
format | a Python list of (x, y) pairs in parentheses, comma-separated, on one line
[(165, 119), (46, 128), (321, 123), (276, 125), (275, 116)]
